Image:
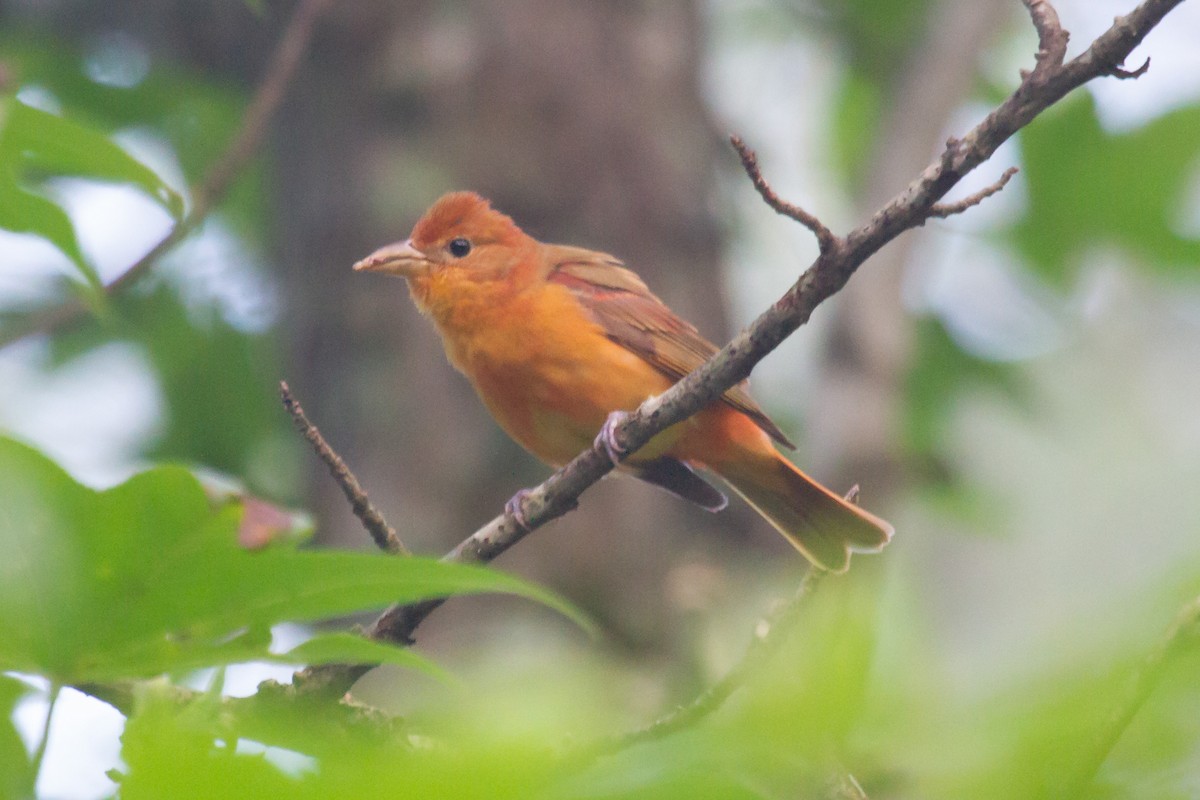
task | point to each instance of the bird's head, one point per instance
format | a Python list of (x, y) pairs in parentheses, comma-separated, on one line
[(460, 233)]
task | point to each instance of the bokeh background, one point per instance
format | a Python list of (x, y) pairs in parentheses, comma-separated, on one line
[(1016, 388)]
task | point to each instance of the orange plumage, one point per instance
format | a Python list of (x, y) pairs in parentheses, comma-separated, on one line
[(555, 338)]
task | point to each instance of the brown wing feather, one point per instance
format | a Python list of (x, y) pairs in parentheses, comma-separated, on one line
[(634, 318)]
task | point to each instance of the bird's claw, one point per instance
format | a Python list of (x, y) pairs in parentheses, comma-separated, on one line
[(606, 439), (513, 508)]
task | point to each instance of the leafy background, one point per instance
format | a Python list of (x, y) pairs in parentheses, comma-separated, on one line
[(1031, 429)]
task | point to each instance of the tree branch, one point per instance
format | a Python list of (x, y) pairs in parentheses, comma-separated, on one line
[(1126, 74), (384, 534), (285, 61), (1048, 83), (825, 237), (944, 210), (1052, 39)]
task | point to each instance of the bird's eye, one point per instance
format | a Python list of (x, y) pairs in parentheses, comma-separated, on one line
[(459, 247)]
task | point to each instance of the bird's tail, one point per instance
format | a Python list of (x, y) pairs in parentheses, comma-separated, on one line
[(821, 525)]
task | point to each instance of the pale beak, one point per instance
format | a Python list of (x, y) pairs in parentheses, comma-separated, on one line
[(400, 259)]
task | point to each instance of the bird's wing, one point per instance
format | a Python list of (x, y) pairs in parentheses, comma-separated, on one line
[(634, 318)]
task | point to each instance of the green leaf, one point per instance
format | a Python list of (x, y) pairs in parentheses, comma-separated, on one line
[(940, 374), (16, 771), (1088, 187), (878, 35), (197, 116), (346, 648), (146, 577), (940, 371), (46, 144), (187, 752), (35, 145), (219, 386), (22, 211), (171, 751), (855, 124)]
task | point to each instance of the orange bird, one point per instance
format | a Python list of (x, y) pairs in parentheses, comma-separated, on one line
[(556, 338)]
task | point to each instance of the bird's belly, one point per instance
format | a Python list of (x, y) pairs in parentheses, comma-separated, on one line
[(555, 397)]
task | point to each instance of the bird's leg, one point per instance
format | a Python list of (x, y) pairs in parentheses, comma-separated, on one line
[(513, 508), (606, 439)]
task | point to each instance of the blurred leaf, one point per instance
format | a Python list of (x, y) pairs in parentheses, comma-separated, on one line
[(689, 765), (1088, 187), (196, 116), (146, 577), (172, 751), (878, 34), (797, 724), (1156, 755), (764, 745), (810, 695), (219, 384), (187, 753), (218, 381), (878, 38), (22, 211), (346, 648), (855, 124), (35, 145), (1027, 740), (940, 372), (46, 144), (783, 731), (16, 771)]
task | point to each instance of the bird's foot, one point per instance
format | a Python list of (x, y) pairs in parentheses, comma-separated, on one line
[(513, 508), (606, 439)]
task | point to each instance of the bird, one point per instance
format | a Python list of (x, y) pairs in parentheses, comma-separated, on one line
[(559, 342)]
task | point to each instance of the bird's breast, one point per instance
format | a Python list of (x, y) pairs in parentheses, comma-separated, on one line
[(544, 368)]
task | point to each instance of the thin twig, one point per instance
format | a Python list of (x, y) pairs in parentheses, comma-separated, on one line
[(1181, 636), (825, 237), (1052, 37), (383, 533), (1126, 74), (281, 70), (944, 210)]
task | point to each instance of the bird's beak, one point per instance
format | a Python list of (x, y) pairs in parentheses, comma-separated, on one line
[(400, 259)]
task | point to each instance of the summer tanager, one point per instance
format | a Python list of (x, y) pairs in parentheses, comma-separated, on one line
[(555, 338)]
